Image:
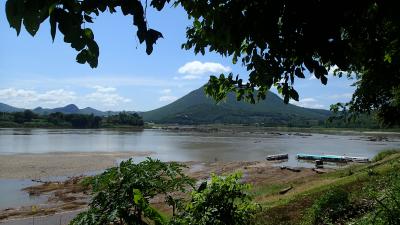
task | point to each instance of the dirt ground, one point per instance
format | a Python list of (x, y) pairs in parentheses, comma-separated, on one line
[(70, 195), (36, 166)]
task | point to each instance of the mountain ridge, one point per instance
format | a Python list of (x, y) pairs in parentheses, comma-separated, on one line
[(197, 108), (68, 109)]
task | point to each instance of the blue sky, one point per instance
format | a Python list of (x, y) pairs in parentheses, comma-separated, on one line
[(37, 72)]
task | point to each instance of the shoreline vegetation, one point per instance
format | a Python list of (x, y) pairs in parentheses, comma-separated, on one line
[(132, 120), (224, 128), (29, 119), (286, 197)]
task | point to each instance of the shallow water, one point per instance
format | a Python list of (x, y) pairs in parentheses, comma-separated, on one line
[(12, 195), (178, 146)]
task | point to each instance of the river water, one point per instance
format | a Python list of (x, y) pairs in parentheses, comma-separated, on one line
[(193, 146), (167, 145)]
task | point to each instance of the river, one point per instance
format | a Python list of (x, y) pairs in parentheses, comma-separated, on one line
[(178, 145), (194, 146)]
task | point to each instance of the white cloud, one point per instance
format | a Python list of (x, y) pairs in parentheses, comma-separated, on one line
[(59, 96), (344, 95), (23, 97), (166, 91), (191, 77), (107, 96), (16, 93), (168, 98), (199, 68), (308, 103), (104, 89)]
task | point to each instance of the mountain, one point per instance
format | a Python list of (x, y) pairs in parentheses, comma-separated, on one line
[(197, 108), (70, 109), (9, 108)]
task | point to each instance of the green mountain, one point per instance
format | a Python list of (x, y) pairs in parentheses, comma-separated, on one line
[(197, 108), (9, 108)]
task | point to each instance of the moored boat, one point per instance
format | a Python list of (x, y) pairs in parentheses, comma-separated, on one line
[(332, 158), (278, 157)]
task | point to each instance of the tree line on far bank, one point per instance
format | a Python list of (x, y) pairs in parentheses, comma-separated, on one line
[(28, 118)]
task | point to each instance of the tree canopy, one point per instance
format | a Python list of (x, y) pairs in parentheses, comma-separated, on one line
[(276, 40)]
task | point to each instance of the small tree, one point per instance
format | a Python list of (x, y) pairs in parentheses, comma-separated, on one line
[(224, 201), (121, 194)]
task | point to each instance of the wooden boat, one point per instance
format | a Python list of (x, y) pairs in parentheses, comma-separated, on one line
[(278, 157), (293, 169)]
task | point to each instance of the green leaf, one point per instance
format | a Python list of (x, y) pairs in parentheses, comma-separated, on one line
[(32, 17), (324, 79), (299, 73), (88, 18), (53, 26), (151, 37), (76, 42), (197, 24), (93, 48), (82, 56), (15, 11), (88, 33), (294, 95)]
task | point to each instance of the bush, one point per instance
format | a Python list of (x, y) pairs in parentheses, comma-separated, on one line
[(329, 208), (121, 195), (387, 204), (223, 201)]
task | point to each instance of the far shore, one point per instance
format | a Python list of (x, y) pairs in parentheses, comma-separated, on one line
[(45, 165), (211, 128)]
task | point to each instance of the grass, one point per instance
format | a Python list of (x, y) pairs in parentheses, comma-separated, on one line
[(268, 189), (292, 207), (384, 154)]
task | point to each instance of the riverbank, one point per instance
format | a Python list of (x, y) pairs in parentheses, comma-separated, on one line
[(68, 195), (56, 164), (286, 195)]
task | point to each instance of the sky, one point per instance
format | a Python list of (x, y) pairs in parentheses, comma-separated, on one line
[(34, 71)]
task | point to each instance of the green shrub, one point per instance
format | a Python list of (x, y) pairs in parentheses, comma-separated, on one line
[(121, 195), (329, 208), (387, 204), (225, 201)]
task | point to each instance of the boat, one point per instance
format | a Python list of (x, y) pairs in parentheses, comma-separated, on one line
[(277, 157), (357, 159), (332, 158)]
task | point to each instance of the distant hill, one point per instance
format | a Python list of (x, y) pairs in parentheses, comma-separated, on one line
[(9, 108), (68, 109), (197, 108)]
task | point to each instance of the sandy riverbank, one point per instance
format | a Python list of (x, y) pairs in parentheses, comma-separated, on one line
[(36, 166)]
